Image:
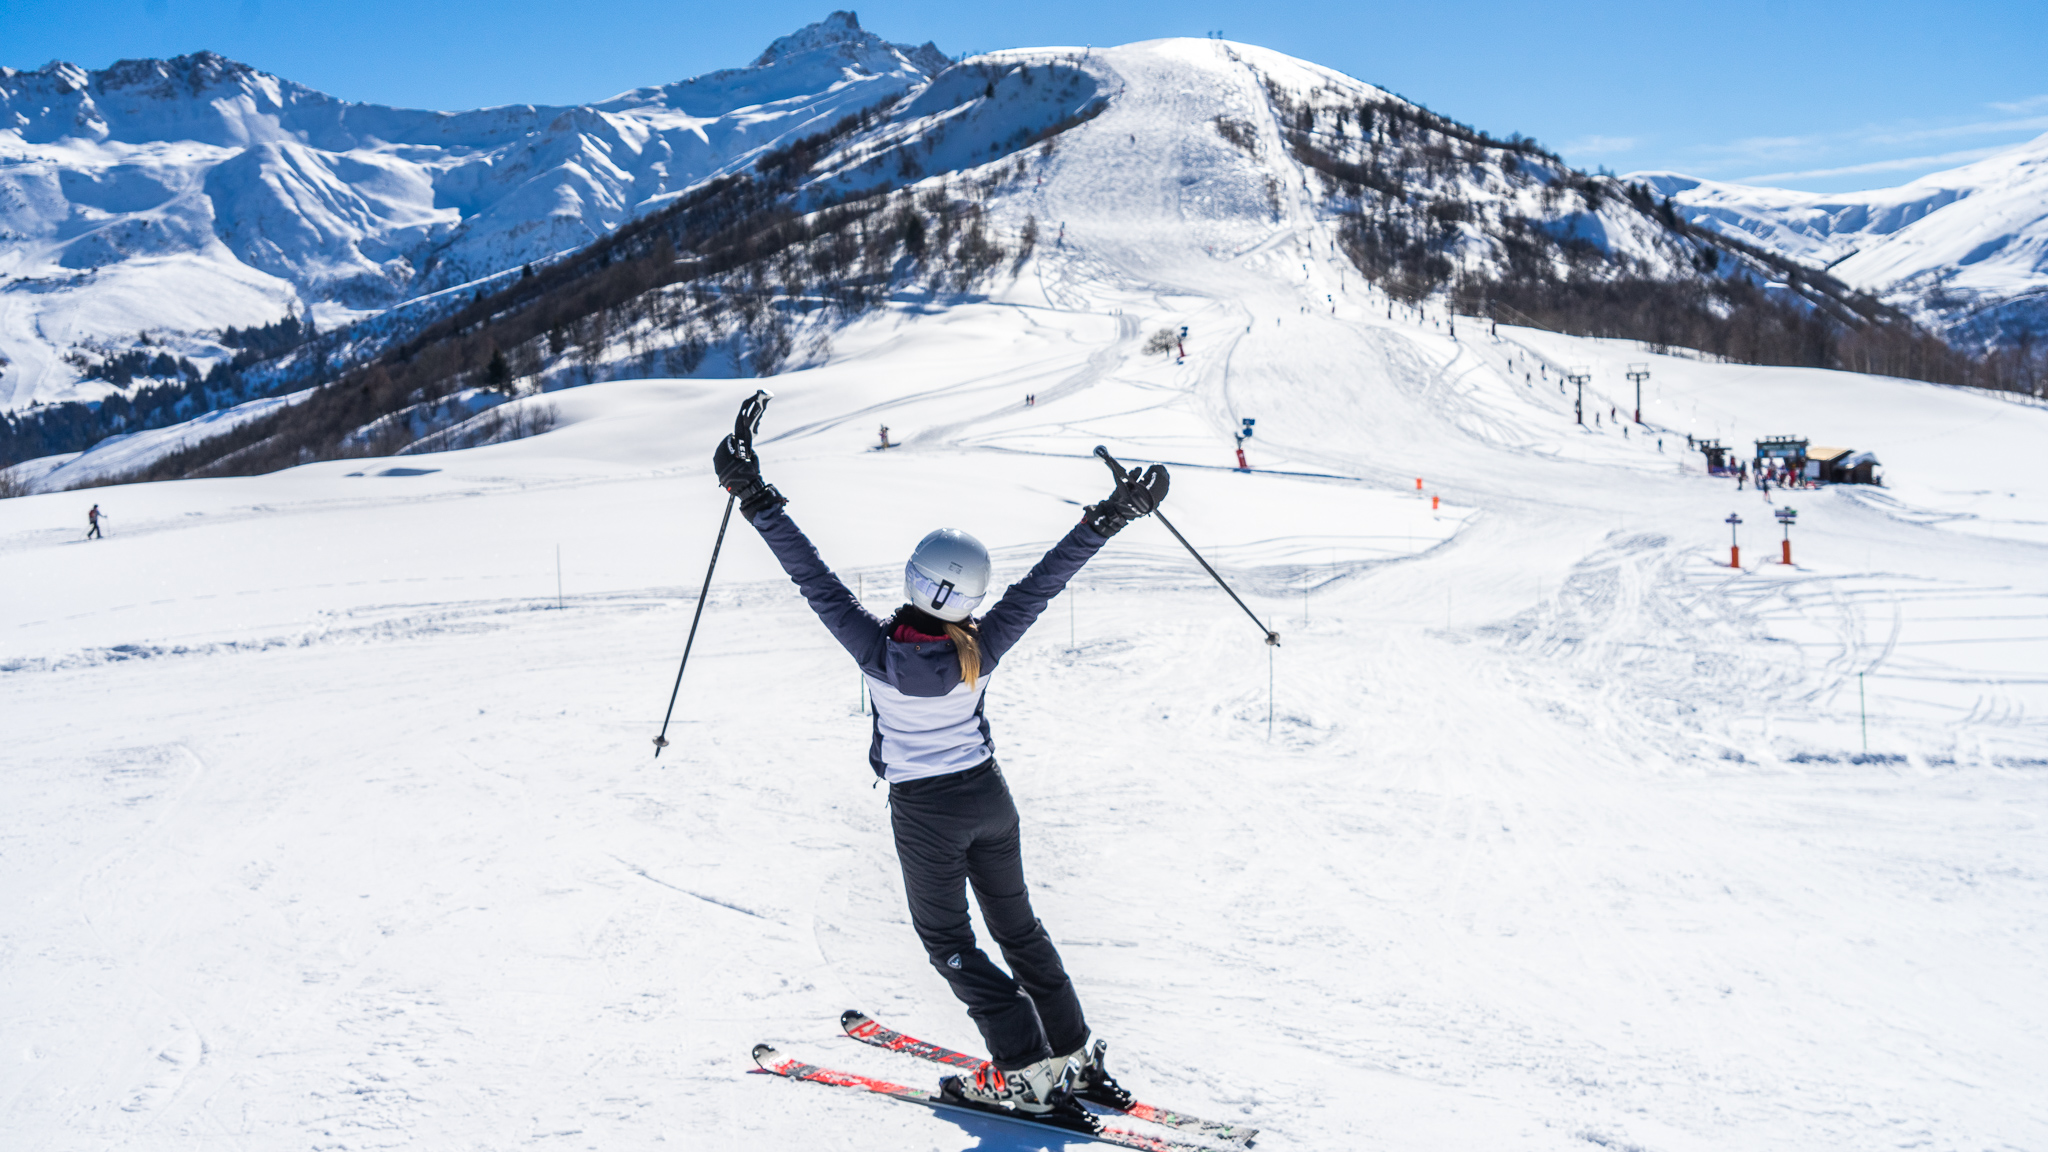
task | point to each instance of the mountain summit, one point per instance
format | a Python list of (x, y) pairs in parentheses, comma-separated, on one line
[(841, 33)]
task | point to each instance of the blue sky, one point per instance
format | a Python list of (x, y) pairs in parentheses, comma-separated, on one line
[(1817, 95)]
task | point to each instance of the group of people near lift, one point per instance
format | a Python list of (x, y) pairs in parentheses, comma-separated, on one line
[(1768, 474)]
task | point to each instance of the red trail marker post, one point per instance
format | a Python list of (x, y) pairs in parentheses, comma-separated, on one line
[(1734, 545)]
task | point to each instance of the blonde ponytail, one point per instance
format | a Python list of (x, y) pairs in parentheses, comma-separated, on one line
[(969, 650)]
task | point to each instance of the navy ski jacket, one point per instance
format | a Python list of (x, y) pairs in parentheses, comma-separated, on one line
[(928, 722)]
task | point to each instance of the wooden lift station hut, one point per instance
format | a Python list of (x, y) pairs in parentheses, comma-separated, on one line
[(1827, 465), (1842, 466)]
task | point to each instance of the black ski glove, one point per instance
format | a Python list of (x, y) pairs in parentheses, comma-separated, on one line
[(739, 467), (1136, 495)]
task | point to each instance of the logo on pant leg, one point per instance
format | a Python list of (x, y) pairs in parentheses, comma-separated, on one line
[(953, 961)]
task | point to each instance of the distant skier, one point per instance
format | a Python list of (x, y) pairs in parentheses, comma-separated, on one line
[(885, 437), (93, 518), (955, 824)]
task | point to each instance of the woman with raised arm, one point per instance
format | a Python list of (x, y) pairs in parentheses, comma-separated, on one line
[(927, 668)]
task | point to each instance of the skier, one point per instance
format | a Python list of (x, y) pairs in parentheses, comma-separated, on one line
[(885, 436), (954, 822), (93, 518)]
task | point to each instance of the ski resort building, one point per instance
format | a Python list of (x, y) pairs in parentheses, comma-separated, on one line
[(1717, 456), (1790, 450), (1842, 466)]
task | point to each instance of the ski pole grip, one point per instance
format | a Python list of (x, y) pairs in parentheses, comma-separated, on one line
[(752, 409), (1115, 468)]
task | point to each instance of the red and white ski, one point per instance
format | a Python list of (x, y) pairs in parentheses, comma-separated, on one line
[(792, 1069), (868, 1031)]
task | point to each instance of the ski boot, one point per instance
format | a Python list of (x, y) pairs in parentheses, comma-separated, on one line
[(1092, 1082), (1041, 1091)]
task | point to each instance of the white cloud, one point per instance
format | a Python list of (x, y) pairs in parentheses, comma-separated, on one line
[(1760, 151), (1601, 145), (1760, 146), (1980, 128), (2021, 107), (1896, 164), (1872, 136)]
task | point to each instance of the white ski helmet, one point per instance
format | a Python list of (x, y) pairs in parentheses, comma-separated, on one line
[(947, 575)]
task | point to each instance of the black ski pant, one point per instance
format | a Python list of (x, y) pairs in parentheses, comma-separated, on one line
[(961, 829)]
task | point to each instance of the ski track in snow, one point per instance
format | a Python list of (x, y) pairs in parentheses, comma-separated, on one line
[(330, 829)]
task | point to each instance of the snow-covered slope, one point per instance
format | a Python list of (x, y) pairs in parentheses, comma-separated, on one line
[(1965, 249), (184, 195), (327, 828), (1414, 200)]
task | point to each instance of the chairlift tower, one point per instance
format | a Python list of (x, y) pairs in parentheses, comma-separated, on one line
[(1637, 373), (1579, 376)]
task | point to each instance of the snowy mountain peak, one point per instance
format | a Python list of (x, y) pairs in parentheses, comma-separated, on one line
[(838, 28), (61, 76), (201, 192), (841, 33), (1965, 250), (814, 59), (187, 75), (202, 96), (179, 76)]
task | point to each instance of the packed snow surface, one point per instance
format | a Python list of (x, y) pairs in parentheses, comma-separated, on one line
[(333, 820)]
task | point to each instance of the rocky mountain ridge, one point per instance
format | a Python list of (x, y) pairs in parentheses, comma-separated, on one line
[(131, 193), (1964, 250)]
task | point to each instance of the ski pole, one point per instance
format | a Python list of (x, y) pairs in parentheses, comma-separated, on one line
[(1117, 470), (751, 412)]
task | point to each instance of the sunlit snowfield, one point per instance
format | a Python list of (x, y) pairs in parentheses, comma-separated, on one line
[(330, 825)]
